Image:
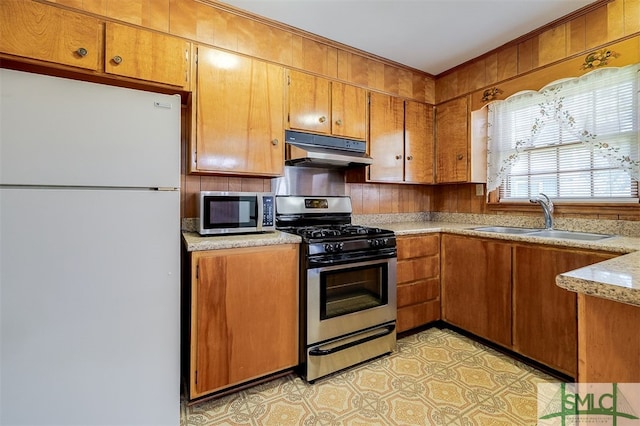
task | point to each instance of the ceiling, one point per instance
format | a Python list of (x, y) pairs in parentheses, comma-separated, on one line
[(428, 35)]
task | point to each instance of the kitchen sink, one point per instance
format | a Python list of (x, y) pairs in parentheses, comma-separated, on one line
[(570, 235), (506, 229), (545, 233)]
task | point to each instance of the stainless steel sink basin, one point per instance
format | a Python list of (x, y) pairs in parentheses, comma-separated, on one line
[(570, 235), (506, 229), (544, 233)]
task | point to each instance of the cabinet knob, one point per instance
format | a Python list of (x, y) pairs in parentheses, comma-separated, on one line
[(398, 157), (274, 142), (322, 119), (459, 156), (410, 157), (339, 122), (117, 59), (82, 51)]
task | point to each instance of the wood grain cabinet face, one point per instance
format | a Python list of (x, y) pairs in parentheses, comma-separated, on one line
[(239, 115), (386, 138), (400, 140), (418, 142), (545, 315), (452, 141), (418, 277), (476, 286), (318, 105), (146, 55), (608, 341), (244, 321), (38, 31)]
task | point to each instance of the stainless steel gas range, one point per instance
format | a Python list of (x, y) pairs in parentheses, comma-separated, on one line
[(347, 284)]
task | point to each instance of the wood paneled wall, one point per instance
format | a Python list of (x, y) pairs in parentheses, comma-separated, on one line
[(605, 23)]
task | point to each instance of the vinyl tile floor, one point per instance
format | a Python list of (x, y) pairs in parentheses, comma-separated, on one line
[(435, 377)]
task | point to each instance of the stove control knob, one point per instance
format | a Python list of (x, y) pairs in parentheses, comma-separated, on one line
[(328, 248), (339, 246)]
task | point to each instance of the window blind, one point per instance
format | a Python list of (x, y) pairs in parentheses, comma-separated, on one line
[(574, 140)]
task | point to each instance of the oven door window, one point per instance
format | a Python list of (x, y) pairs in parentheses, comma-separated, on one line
[(349, 290), (231, 212)]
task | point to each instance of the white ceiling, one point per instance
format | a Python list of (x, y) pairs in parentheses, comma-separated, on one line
[(429, 35)]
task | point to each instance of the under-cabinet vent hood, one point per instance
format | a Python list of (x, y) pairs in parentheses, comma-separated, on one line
[(304, 149)]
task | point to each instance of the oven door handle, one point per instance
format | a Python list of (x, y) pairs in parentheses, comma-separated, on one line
[(383, 332)]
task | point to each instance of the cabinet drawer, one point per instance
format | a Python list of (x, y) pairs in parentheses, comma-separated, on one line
[(417, 269), (418, 292), (423, 245), (417, 315)]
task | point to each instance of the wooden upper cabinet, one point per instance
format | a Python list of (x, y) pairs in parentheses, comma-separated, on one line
[(38, 31), (309, 103), (418, 142), (318, 105), (400, 140), (239, 115), (386, 138), (146, 55), (348, 111), (452, 141)]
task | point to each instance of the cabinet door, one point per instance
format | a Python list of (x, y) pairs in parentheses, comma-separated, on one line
[(309, 103), (386, 138), (244, 321), (240, 115), (418, 140), (545, 315), (452, 145), (47, 33), (145, 55), (608, 342), (476, 286), (348, 111)]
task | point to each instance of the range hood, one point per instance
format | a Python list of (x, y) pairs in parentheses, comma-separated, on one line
[(305, 149)]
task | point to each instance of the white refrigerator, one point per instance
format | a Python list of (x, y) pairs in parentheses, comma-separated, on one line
[(89, 253)]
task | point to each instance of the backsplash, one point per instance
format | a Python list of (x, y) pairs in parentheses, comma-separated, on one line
[(624, 228)]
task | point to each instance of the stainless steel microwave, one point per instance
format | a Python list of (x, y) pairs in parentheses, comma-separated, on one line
[(223, 212)]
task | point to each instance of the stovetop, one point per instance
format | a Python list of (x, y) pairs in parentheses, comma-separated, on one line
[(338, 232)]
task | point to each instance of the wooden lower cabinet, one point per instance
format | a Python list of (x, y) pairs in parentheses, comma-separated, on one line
[(244, 315), (476, 286), (418, 280), (608, 341), (545, 315)]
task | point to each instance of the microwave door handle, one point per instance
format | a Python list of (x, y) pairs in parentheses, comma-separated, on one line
[(382, 332), (260, 203)]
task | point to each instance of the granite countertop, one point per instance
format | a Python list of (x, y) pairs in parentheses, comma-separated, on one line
[(616, 279), (194, 242)]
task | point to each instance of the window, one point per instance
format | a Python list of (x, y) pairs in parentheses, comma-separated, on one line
[(574, 140)]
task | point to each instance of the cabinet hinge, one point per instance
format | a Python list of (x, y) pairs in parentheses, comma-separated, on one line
[(197, 271), (195, 58), (288, 117), (288, 80), (196, 377)]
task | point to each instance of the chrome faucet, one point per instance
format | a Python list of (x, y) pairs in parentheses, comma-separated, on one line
[(547, 209)]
